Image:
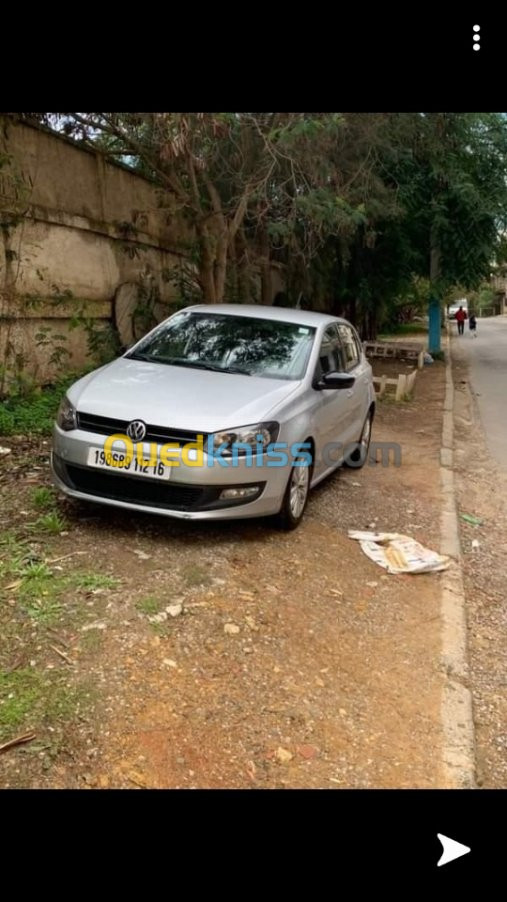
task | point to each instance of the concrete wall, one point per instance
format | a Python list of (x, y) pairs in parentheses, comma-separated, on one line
[(69, 246)]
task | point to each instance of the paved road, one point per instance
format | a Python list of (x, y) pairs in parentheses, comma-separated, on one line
[(487, 358)]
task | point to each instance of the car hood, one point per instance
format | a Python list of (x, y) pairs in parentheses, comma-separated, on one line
[(193, 399)]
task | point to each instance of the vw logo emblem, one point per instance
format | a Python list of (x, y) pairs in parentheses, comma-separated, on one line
[(136, 430)]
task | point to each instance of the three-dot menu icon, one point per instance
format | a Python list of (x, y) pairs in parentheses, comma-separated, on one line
[(477, 37)]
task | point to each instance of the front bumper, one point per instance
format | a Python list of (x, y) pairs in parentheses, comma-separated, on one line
[(191, 493)]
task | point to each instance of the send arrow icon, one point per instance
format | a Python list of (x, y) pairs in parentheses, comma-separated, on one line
[(452, 849)]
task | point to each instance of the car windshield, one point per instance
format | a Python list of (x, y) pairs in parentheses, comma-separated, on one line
[(229, 344)]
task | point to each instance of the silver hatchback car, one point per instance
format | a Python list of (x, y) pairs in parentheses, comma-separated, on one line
[(222, 411)]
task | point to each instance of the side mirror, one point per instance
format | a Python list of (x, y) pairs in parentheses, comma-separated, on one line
[(336, 380)]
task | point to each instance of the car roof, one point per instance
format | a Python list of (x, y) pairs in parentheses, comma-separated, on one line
[(281, 314)]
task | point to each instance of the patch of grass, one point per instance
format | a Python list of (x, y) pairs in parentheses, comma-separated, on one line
[(44, 498), (92, 641), (36, 580), (12, 551), (20, 693), (39, 590), (51, 522), (38, 593), (11, 563), (36, 588), (31, 576), (29, 698), (64, 702), (92, 581), (160, 629), (16, 563), (34, 412), (194, 575), (46, 611), (148, 605), (9, 540), (33, 571)]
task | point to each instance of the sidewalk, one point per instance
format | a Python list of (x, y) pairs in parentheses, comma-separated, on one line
[(482, 491)]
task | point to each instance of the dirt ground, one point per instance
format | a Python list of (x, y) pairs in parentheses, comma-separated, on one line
[(284, 660), (482, 491)]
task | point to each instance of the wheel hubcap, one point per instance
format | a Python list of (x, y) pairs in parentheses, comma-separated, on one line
[(298, 489)]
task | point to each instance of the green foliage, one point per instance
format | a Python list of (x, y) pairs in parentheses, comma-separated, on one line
[(91, 581), (33, 412), (483, 298), (51, 522), (149, 605), (46, 338), (32, 699), (102, 340), (364, 209), (446, 174), (44, 498)]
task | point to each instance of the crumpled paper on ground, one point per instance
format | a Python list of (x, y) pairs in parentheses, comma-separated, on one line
[(399, 554)]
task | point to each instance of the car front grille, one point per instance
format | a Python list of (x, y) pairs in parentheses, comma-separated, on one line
[(147, 492), (159, 434), (136, 491)]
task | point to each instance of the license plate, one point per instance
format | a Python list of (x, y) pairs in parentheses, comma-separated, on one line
[(98, 458)]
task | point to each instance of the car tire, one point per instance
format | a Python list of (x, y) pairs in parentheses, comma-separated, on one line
[(295, 498), (358, 457)]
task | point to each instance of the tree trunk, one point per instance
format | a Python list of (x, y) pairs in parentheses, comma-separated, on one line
[(233, 293), (265, 267), (243, 274), (220, 268), (207, 263), (206, 274)]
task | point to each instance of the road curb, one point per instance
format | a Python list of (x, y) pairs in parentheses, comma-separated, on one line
[(459, 762)]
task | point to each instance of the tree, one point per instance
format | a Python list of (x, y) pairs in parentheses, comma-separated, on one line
[(452, 185), (356, 205), (273, 182), (446, 172)]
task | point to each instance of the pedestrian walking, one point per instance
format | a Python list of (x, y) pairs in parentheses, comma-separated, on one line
[(460, 319), (472, 325)]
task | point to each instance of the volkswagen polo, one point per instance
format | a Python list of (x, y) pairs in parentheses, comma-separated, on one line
[(222, 411)]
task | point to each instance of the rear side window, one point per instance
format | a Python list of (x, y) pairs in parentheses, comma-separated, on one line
[(350, 346)]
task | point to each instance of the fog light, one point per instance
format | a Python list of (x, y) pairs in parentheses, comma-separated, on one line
[(245, 492)]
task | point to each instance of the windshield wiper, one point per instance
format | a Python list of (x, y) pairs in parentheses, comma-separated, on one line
[(194, 364), (200, 365), (235, 369), (138, 356)]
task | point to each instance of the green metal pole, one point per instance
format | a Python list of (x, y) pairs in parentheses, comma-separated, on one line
[(434, 326)]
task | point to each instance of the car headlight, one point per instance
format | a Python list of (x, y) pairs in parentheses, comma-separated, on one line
[(258, 437), (66, 417)]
